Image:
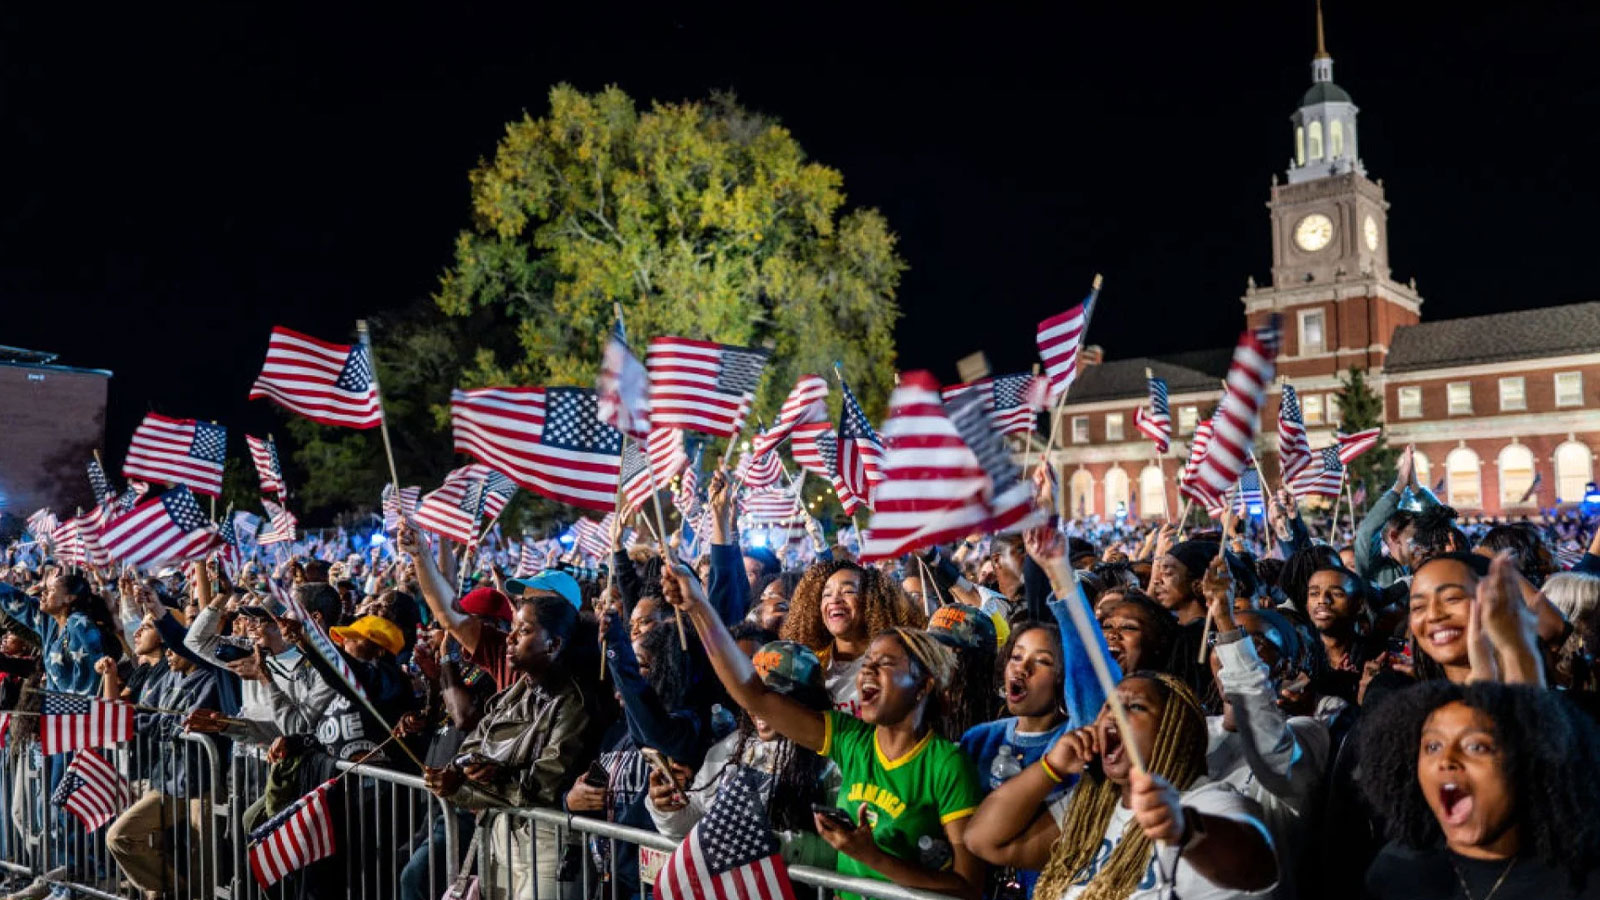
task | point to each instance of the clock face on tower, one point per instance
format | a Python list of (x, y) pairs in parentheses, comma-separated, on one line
[(1313, 232), (1369, 230)]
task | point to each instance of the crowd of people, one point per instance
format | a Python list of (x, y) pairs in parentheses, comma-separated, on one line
[(1409, 714)]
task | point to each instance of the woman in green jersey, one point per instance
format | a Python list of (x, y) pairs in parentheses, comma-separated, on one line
[(906, 792)]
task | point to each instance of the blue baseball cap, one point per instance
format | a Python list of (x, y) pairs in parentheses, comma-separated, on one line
[(558, 583)]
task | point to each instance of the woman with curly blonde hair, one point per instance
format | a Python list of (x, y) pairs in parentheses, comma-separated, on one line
[(1122, 833), (836, 609)]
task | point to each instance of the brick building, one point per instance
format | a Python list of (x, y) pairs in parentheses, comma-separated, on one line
[(52, 419), (1492, 402)]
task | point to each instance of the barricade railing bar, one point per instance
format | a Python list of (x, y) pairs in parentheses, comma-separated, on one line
[(195, 801)]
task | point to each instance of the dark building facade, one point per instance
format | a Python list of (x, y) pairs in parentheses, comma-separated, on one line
[(52, 419)]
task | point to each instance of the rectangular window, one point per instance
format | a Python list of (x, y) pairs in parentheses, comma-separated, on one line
[(1513, 394), (1311, 409), (1334, 412), (1113, 427), (1312, 337), (1188, 417), (1569, 388), (1459, 397), (1080, 429), (1410, 399)]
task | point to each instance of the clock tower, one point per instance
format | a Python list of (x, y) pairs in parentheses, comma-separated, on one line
[(1330, 243)]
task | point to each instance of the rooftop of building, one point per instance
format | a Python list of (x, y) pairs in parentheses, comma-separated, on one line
[(20, 357), (1499, 337)]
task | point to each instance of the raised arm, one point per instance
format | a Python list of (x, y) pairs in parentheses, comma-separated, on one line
[(438, 592), (1013, 826), (799, 723), (728, 587)]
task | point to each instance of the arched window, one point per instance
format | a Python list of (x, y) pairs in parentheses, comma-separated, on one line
[(1314, 141), (1423, 468), (1574, 471), (1463, 486), (1516, 474), (1299, 145), (1152, 493), (1335, 139), (1082, 494), (1116, 491)]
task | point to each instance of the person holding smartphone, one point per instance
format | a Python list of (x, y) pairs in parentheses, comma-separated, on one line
[(907, 790)]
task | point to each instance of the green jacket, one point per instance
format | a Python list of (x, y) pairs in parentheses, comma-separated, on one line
[(535, 733), (1371, 563)]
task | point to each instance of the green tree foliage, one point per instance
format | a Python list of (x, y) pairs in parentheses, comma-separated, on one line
[(1360, 408), (701, 219)]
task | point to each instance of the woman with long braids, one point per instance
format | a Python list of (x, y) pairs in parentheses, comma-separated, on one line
[(906, 792), (796, 778), (1123, 833), (836, 610)]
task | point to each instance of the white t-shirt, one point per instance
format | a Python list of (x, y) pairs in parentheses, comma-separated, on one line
[(841, 681), (1210, 798)]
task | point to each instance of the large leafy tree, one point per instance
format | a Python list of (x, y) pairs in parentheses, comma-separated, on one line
[(700, 219), (1360, 408)]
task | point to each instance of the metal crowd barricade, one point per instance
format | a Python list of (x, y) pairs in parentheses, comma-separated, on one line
[(525, 882), (197, 844)]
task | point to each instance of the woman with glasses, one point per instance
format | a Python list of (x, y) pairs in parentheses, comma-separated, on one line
[(906, 790)]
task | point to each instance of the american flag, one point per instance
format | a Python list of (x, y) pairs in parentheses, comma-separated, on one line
[(453, 510), (319, 640), (264, 452), (759, 471), (772, 506), (1156, 423), (99, 483), (246, 526), (77, 540), (129, 498), (702, 386), (1238, 416), (815, 448), (1248, 493), (534, 557), (1189, 483), (1569, 554), (648, 469), (807, 402), (166, 528), (229, 555), (1012, 402), (69, 722), (687, 497), (623, 388), (398, 505), (731, 853), (593, 539), (1294, 450), (281, 524), (1322, 480), (1353, 445), (860, 452), (293, 839), (92, 790), (42, 524), (946, 473), (549, 440), (333, 384), (1059, 338), (178, 451)]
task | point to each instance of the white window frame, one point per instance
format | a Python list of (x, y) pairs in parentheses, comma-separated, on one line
[(1411, 409), (1575, 396), (1080, 435), (1331, 410), (1114, 427), (1519, 386), (1450, 400), (1188, 418), (1306, 315), (1312, 411)]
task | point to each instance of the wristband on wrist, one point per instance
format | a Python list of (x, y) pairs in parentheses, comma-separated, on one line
[(1049, 772)]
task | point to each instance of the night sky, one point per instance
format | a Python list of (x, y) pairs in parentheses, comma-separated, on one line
[(175, 182)]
